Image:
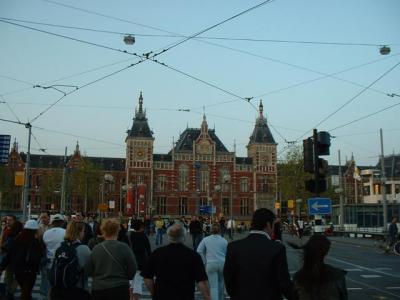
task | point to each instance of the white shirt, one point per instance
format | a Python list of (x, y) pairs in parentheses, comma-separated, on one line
[(213, 248), (52, 238)]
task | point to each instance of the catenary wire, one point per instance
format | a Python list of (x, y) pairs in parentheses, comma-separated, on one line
[(200, 37), (180, 35), (366, 116), (351, 99)]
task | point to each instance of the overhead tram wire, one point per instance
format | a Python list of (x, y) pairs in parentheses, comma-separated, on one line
[(86, 85), (16, 80), (195, 38), (154, 55), (351, 99), (237, 50), (212, 27), (200, 37), (366, 116)]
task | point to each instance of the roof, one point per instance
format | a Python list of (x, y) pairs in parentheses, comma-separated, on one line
[(334, 169), (244, 160), (392, 166), (261, 133), (57, 162), (140, 127), (186, 139), (162, 157)]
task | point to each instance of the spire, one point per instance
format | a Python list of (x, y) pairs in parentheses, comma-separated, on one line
[(261, 133), (204, 125), (15, 145), (261, 109), (140, 127), (77, 147), (140, 103)]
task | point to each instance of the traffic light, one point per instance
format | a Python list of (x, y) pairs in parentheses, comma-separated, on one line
[(314, 147)]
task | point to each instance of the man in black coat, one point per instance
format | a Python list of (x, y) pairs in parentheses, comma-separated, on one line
[(256, 267)]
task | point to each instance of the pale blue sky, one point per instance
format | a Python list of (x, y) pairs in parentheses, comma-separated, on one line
[(104, 110)]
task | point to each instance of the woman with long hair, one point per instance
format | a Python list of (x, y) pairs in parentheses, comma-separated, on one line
[(317, 280), (24, 258), (74, 235)]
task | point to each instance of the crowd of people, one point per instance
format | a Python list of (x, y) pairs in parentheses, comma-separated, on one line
[(119, 260)]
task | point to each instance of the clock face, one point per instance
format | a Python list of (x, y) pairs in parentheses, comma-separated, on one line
[(204, 147), (140, 153)]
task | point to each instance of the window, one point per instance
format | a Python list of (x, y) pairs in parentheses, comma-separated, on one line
[(366, 191), (244, 184), (264, 185), (377, 189), (397, 188), (203, 201), (226, 206), (140, 179), (161, 206), (224, 173), (204, 178), (244, 206), (182, 206), (162, 183), (183, 178), (388, 189)]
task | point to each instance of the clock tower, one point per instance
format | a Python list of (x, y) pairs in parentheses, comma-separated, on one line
[(262, 149), (139, 163)]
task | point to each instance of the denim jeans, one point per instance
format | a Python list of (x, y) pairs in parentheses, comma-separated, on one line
[(196, 239), (216, 279), (159, 236), (44, 283)]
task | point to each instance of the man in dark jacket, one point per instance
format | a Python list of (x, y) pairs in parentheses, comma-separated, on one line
[(140, 245), (196, 230), (172, 271), (256, 267), (393, 231)]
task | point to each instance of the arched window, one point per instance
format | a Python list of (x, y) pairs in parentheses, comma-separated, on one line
[(183, 178), (223, 172), (204, 178)]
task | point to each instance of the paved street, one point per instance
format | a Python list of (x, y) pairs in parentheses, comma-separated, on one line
[(371, 275)]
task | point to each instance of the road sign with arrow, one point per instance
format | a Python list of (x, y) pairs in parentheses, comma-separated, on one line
[(319, 206)]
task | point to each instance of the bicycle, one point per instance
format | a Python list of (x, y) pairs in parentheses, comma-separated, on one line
[(384, 246)]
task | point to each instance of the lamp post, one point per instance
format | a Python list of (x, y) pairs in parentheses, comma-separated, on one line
[(227, 179), (123, 188)]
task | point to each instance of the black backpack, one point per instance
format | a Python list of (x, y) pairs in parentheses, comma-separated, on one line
[(65, 270)]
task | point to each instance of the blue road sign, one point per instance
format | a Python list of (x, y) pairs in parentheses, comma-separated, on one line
[(4, 148), (319, 206), (205, 209)]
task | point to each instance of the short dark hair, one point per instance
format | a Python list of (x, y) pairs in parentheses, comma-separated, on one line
[(46, 212), (261, 218), (137, 225)]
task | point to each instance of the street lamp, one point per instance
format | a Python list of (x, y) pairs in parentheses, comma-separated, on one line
[(123, 188), (129, 39), (227, 179)]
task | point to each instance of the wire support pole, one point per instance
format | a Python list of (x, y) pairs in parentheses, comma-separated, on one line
[(383, 185), (25, 198)]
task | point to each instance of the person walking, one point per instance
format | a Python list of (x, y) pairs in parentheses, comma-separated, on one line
[(213, 251), (74, 233), (140, 245), (393, 231), (315, 279), (12, 229), (24, 258), (196, 231), (52, 239), (160, 227), (97, 239), (256, 267), (111, 265), (172, 271)]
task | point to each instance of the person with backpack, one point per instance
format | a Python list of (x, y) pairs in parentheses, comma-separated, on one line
[(24, 258), (52, 239), (140, 245), (111, 265), (67, 277)]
